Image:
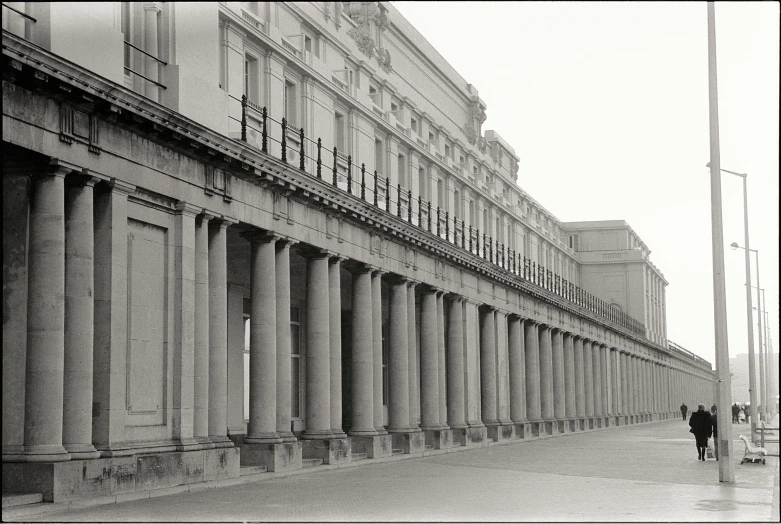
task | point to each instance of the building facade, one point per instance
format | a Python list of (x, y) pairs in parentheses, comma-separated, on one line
[(266, 234)]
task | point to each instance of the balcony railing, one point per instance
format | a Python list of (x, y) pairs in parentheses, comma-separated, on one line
[(376, 189), (161, 62)]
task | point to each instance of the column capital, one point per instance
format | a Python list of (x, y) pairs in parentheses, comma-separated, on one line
[(153, 6), (395, 278), (120, 186), (184, 208), (60, 167), (225, 221), (456, 297), (358, 268), (78, 179), (206, 217), (259, 236), (285, 242), (310, 252)]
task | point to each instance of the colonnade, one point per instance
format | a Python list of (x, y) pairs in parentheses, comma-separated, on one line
[(527, 375)]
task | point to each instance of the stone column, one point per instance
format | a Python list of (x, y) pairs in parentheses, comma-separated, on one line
[(429, 362), (580, 376), (605, 372), (502, 370), (546, 373), (627, 408), (318, 348), (615, 379), (379, 412), (412, 359), (533, 406), (441, 358), (597, 367), (362, 395), (588, 382), (43, 401), (517, 357), (559, 394), (151, 18), (262, 426), (488, 368), (201, 385), (111, 316), (455, 366), (284, 411), (569, 377), (79, 318), (335, 342), (641, 382), (398, 403), (184, 327), (635, 386), (218, 333)]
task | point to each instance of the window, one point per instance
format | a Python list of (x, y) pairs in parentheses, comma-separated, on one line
[(413, 124), (448, 151), (402, 171), (456, 200), (378, 164), (339, 131), (307, 44), (394, 106), (471, 212), (441, 194), (290, 103), (422, 183), (486, 224), (126, 32), (251, 78), (295, 363)]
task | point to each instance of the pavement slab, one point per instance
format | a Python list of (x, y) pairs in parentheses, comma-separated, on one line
[(646, 472)]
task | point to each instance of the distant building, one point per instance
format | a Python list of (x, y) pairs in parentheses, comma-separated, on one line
[(190, 286)]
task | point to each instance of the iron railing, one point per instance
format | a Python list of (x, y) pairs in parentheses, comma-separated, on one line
[(376, 189)]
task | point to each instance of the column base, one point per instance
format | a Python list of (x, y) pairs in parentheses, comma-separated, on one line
[(409, 441), (439, 438), (90, 479), (221, 441), (323, 434), (286, 436), (276, 457), (330, 451), (187, 444), (471, 437), (522, 430), (82, 451), (37, 454), (204, 442), (537, 428), (263, 438), (501, 433), (376, 446)]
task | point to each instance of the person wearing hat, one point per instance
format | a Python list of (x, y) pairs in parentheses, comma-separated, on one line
[(684, 409), (700, 425)]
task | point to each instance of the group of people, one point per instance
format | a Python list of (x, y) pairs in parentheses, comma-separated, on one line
[(740, 413), (703, 425)]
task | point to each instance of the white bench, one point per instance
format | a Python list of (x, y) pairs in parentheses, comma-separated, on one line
[(752, 452)]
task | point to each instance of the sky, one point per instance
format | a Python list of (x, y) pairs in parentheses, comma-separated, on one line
[(607, 106)]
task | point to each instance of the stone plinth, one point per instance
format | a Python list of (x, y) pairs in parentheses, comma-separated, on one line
[(377, 446), (87, 479), (472, 437), (523, 430), (330, 451), (548, 427), (501, 433), (572, 426), (414, 442), (276, 457), (439, 438)]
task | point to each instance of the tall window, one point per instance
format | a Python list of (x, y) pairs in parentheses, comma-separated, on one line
[(471, 212), (403, 171), (125, 22), (339, 131), (295, 363), (422, 183), (456, 202), (290, 103), (251, 78), (378, 163), (441, 194)]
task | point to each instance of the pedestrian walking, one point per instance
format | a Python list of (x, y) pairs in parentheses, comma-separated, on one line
[(742, 415), (700, 425), (684, 409), (735, 413), (715, 430)]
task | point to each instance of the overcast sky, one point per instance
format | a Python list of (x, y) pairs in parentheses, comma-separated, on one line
[(607, 106)]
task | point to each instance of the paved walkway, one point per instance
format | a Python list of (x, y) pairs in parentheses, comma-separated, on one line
[(633, 473)]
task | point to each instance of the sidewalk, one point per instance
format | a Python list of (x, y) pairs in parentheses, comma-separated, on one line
[(647, 472)]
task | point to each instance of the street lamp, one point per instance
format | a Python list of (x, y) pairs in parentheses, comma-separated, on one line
[(724, 399), (751, 364)]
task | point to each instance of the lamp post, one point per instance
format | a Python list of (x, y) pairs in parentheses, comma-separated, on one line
[(724, 401), (751, 362)]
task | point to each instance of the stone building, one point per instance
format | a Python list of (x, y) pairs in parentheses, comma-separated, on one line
[(189, 286)]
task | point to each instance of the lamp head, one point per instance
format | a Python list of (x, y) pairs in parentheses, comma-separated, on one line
[(734, 245)]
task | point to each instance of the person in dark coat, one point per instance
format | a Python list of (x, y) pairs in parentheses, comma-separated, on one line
[(684, 409), (735, 413), (702, 428)]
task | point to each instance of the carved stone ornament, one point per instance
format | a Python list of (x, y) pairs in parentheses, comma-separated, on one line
[(384, 59), (327, 10), (474, 126), (338, 14), (364, 14)]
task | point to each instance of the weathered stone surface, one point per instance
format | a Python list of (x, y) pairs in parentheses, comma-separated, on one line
[(377, 446), (439, 438), (409, 442), (276, 457), (330, 451)]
